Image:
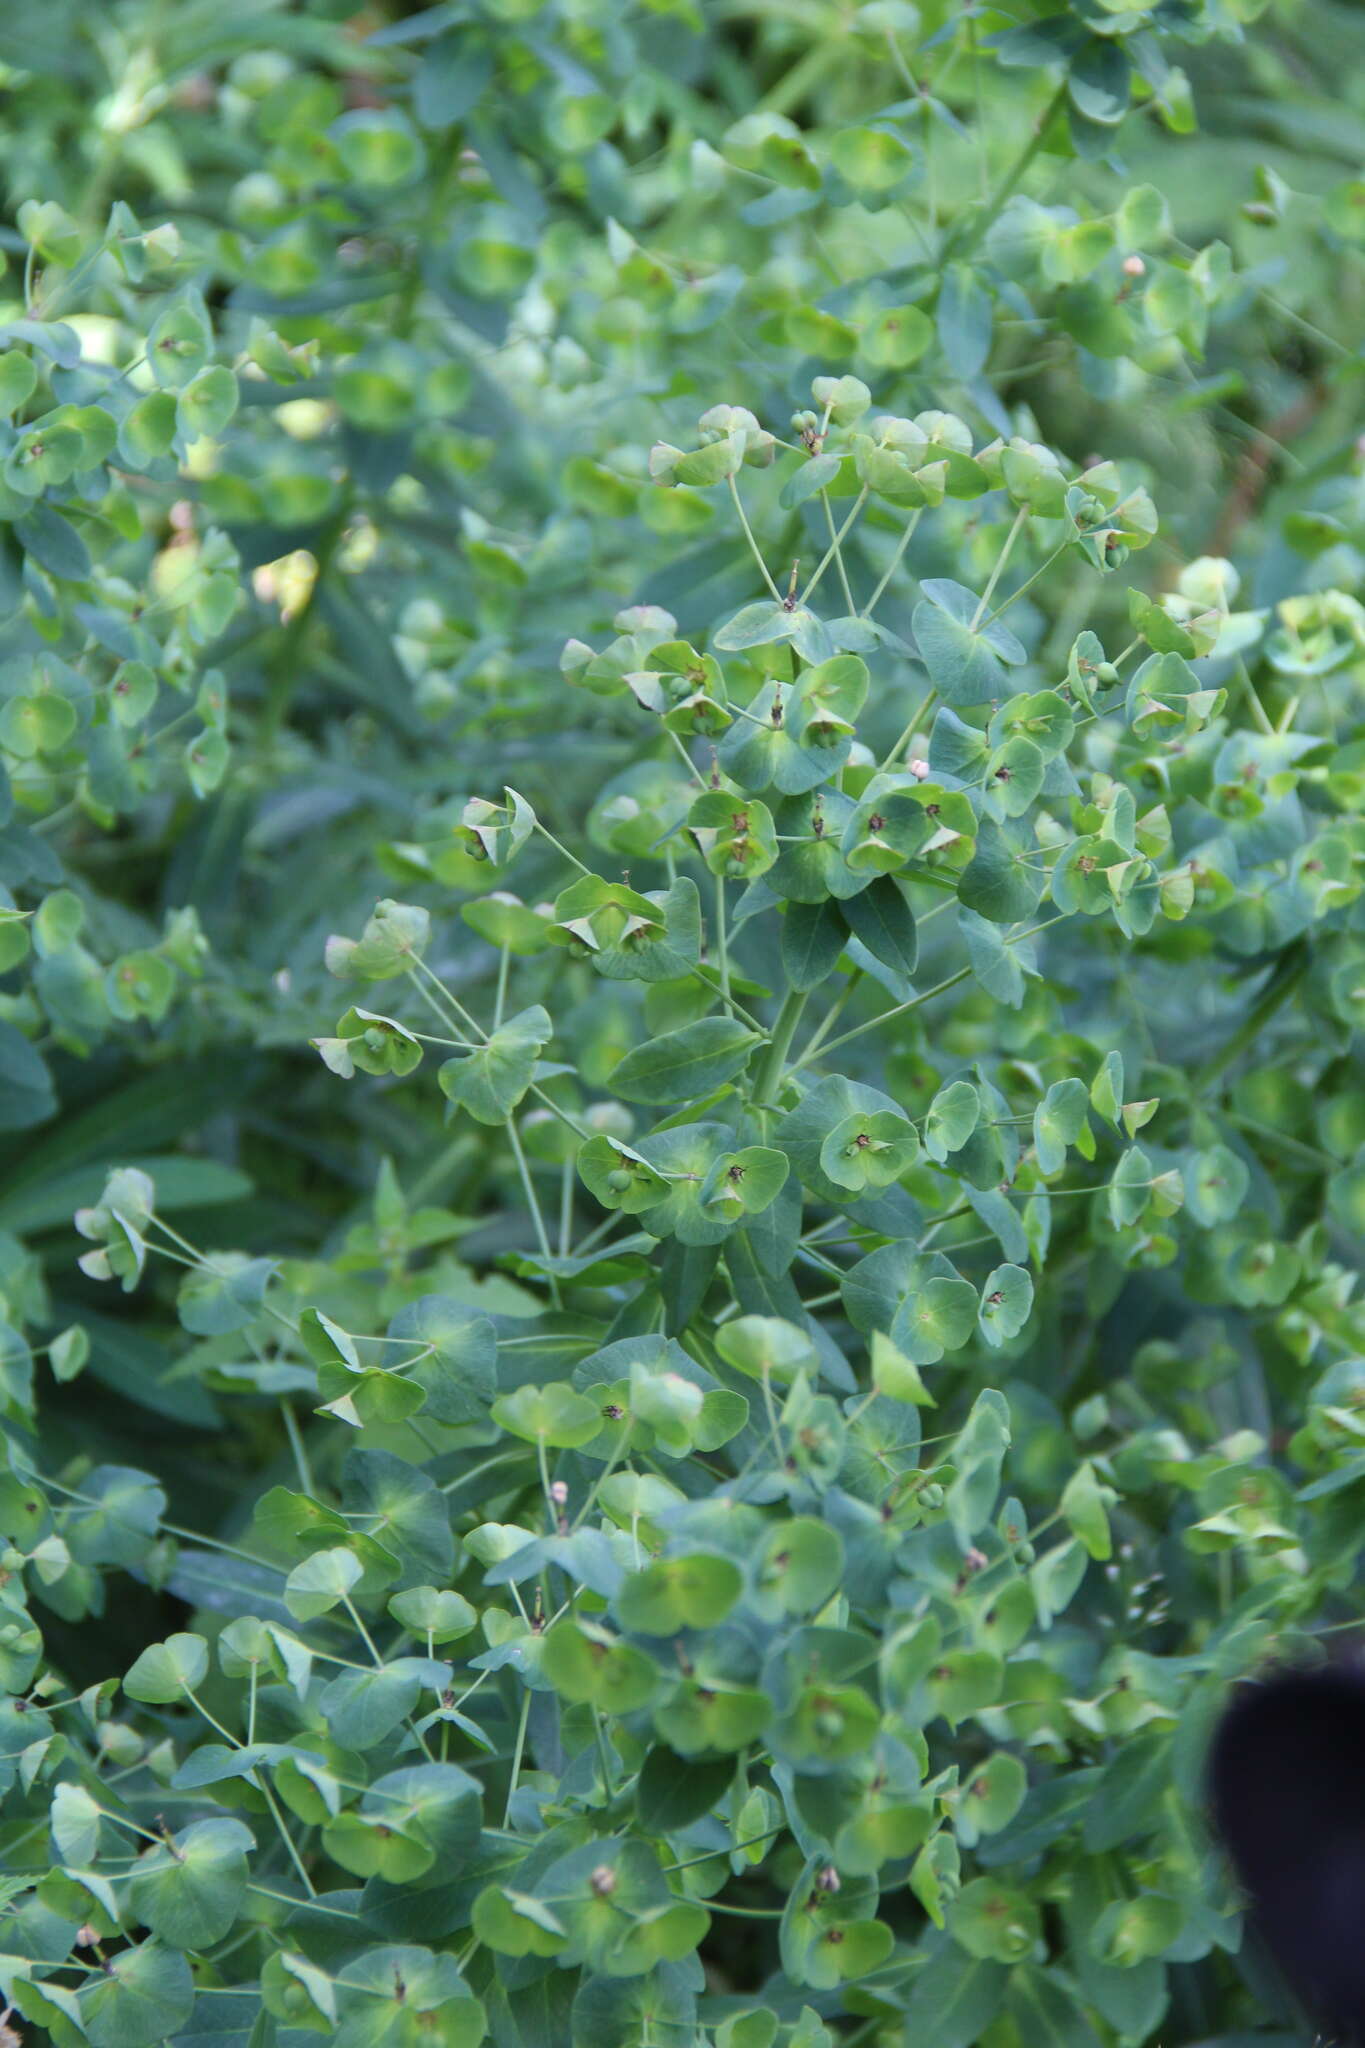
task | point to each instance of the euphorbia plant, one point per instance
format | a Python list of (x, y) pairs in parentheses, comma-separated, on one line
[(822, 1337), (738, 1636)]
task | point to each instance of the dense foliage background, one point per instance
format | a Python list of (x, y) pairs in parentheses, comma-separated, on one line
[(686, 1454)]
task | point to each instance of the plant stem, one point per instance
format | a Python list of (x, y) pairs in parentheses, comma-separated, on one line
[(901, 545), (887, 1016), (608, 1782), (834, 546), (571, 858), (1293, 968), (295, 1436), (366, 1638), (732, 1001), (462, 1016), (967, 233), (517, 1756), (922, 711), (566, 1183), (838, 551), (769, 1076), (984, 601), (1027, 584), (831, 1016), (1258, 710), (259, 1782), (749, 536), (533, 1204), (722, 945)]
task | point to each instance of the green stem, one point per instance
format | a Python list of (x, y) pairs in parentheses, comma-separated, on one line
[(572, 858), (295, 1436), (366, 1638), (1027, 584), (566, 1186), (984, 601), (901, 545), (731, 1849), (461, 1017), (608, 1782), (517, 1754), (838, 552), (259, 1782), (888, 1016), (769, 1076), (722, 944), (1282, 987), (533, 1204), (333, 1912), (749, 536), (731, 1000), (1258, 710), (832, 550), (921, 712), (831, 1016), (967, 233)]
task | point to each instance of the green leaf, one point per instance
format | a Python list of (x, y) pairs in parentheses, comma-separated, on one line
[(434, 1612), (1130, 1187), (869, 1151), (765, 1347), (165, 1672), (997, 883), (1058, 1121), (1216, 1183), (896, 338), (964, 325), (951, 1118), (399, 1994), (206, 403), (315, 1586), (895, 1375), (991, 1797), (957, 1996), (142, 1995), (586, 1664), (1097, 80), (362, 1707), (190, 1890), (1127, 1801), (882, 918), (813, 937), (225, 1295), (379, 148), (1006, 1304), (18, 380), (1083, 1505), (678, 1593), (492, 1080), (682, 1066), (456, 1356), (553, 1415), (993, 1921), (1047, 2011)]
